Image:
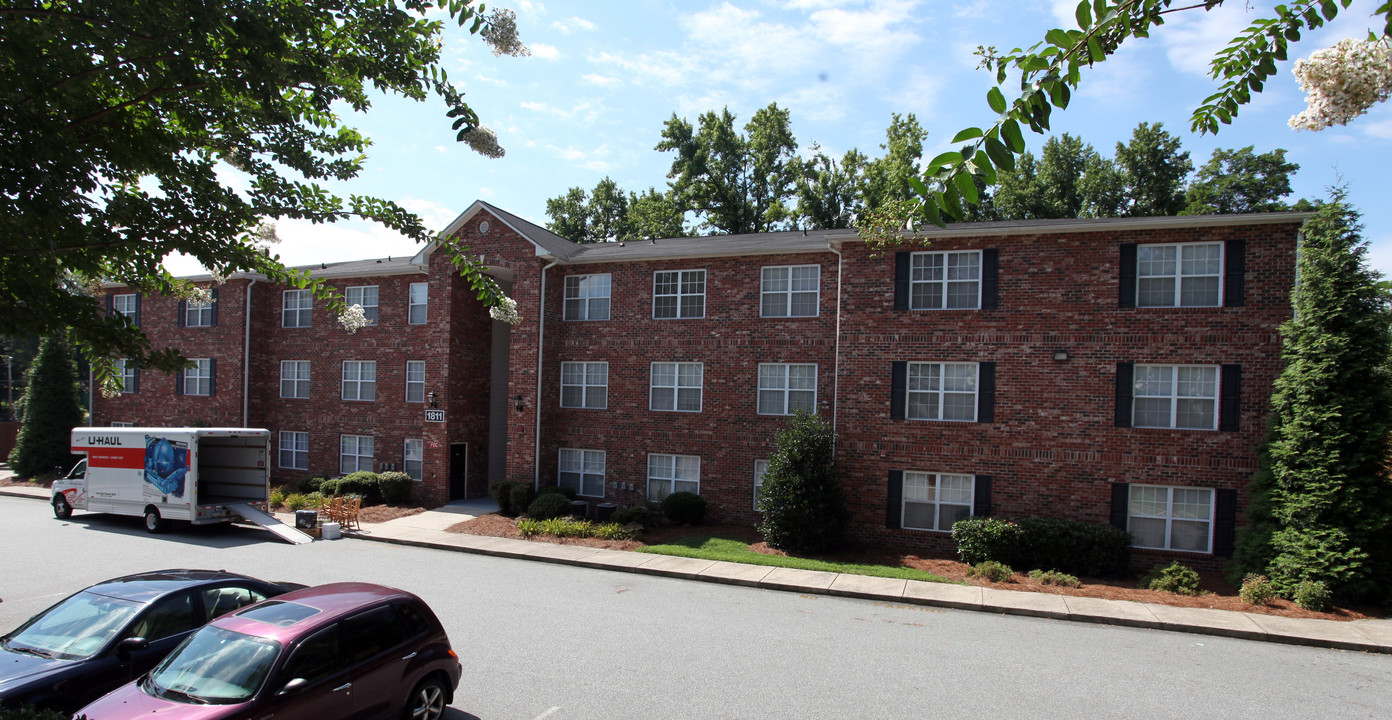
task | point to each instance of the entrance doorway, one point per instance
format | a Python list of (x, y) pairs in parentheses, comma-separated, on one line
[(458, 471)]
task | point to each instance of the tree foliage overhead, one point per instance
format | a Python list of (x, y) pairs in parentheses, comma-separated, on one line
[(115, 117), (52, 408)]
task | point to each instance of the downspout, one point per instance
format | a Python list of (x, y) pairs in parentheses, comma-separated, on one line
[(541, 351), (836, 363), (246, 354)]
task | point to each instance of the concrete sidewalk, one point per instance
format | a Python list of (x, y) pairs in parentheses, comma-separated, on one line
[(428, 529)]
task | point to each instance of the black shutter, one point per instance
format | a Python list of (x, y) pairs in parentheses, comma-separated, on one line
[(1234, 273), (1123, 394), (1121, 498), (137, 309), (1230, 400), (986, 392), (1126, 297), (183, 307), (135, 379), (990, 261), (981, 500), (1224, 522), (212, 377), (179, 382), (901, 280), (894, 505), (898, 390), (215, 305), (110, 303)]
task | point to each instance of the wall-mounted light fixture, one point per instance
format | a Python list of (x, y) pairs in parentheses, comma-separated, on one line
[(431, 397), (517, 403), (1060, 354)]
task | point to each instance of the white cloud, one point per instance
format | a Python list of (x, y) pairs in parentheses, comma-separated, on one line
[(433, 214), (1381, 129), (664, 68), (439, 148), (570, 152), (544, 51), (585, 111), (600, 80), (530, 8), (484, 78), (974, 10), (486, 192), (1192, 37), (919, 94), (573, 24)]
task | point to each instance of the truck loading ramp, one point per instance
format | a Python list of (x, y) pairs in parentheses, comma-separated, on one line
[(283, 531)]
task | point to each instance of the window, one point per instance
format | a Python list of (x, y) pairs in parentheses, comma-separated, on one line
[(198, 380), (582, 471), (366, 296), (933, 501), (673, 473), (942, 391), (294, 450), (129, 374), (220, 601), (675, 386), (354, 453), (945, 280), (789, 291), (412, 457), (200, 314), (122, 424), (1188, 275), (415, 381), (587, 297), (170, 616), (128, 305), (1175, 396), (295, 308), (359, 379), (679, 294), (1170, 518), (416, 303), (760, 469), (785, 389), (585, 385), (294, 378)]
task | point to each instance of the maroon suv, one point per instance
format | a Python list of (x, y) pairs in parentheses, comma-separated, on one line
[(346, 650)]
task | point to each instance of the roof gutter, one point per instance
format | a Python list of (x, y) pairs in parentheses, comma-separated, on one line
[(836, 356)]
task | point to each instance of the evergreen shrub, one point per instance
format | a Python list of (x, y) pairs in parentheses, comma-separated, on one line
[(395, 487), (803, 509), (1176, 577), (547, 506), (684, 508)]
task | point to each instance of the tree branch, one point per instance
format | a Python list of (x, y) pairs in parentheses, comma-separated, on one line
[(135, 101)]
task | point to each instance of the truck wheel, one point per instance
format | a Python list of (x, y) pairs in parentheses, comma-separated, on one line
[(154, 524), (61, 509)]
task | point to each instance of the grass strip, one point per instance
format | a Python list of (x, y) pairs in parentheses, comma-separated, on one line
[(710, 547)]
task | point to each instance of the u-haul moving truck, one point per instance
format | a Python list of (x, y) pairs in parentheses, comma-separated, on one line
[(201, 475)]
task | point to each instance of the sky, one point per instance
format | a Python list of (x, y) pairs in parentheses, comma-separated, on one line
[(605, 76)]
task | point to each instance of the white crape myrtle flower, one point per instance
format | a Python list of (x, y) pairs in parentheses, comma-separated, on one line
[(506, 311), (353, 318), (1343, 82), (200, 297), (484, 141), (500, 32)]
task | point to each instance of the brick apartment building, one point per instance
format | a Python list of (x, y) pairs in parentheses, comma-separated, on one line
[(1113, 370)]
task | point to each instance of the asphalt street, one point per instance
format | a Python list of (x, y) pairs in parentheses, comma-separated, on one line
[(540, 640)]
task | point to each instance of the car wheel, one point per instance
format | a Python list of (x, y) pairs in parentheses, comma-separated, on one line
[(427, 701), (61, 509), (153, 522)]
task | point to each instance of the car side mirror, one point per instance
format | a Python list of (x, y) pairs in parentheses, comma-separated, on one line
[(131, 645), (293, 687)]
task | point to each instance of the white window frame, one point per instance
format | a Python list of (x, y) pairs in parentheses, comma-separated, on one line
[(916, 266), (924, 382), (198, 314), (775, 380), (417, 303), (786, 296), (296, 444), (598, 393), (662, 472), (356, 444), (298, 382), (681, 294), (417, 385), (1179, 276), (1169, 518), (677, 387), (582, 293), (361, 295), (580, 465), (934, 499), (1174, 397), (298, 304), (413, 458), (358, 382), (127, 370), (761, 467), (199, 377), (125, 304)]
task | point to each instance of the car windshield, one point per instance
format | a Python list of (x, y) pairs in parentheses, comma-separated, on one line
[(75, 629), (213, 666)]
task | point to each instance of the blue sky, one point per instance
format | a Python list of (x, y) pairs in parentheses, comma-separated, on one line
[(604, 77)]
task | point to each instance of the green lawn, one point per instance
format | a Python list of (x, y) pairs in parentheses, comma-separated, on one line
[(707, 547)]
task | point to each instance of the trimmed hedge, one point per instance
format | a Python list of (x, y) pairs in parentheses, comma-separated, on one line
[(684, 508), (395, 487), (548, 506), (1068, 546), (363, 483), (567, 492), (310, 484), (640, 514)]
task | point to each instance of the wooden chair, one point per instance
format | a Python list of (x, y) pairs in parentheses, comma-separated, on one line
[(331, 511), (351, 505)]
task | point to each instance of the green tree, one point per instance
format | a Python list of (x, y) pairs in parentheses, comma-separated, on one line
[(52, 408), (654, 214), (609, 212), (804, 509), (1323, 508), (1240, 181), (829, 193), (117, 116), (888, 178), (570, 215), (1153, 170)]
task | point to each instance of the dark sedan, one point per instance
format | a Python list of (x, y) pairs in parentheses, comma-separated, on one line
[(104, 636)]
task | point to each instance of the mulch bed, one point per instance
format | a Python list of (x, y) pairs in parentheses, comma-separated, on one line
[(1219, 594)]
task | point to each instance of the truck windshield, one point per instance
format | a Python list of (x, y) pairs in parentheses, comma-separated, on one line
[(74, 629)]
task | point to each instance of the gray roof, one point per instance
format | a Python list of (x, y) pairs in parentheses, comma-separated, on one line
[(365, 268), (1062, 225), (551, 242), (773, 243)]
